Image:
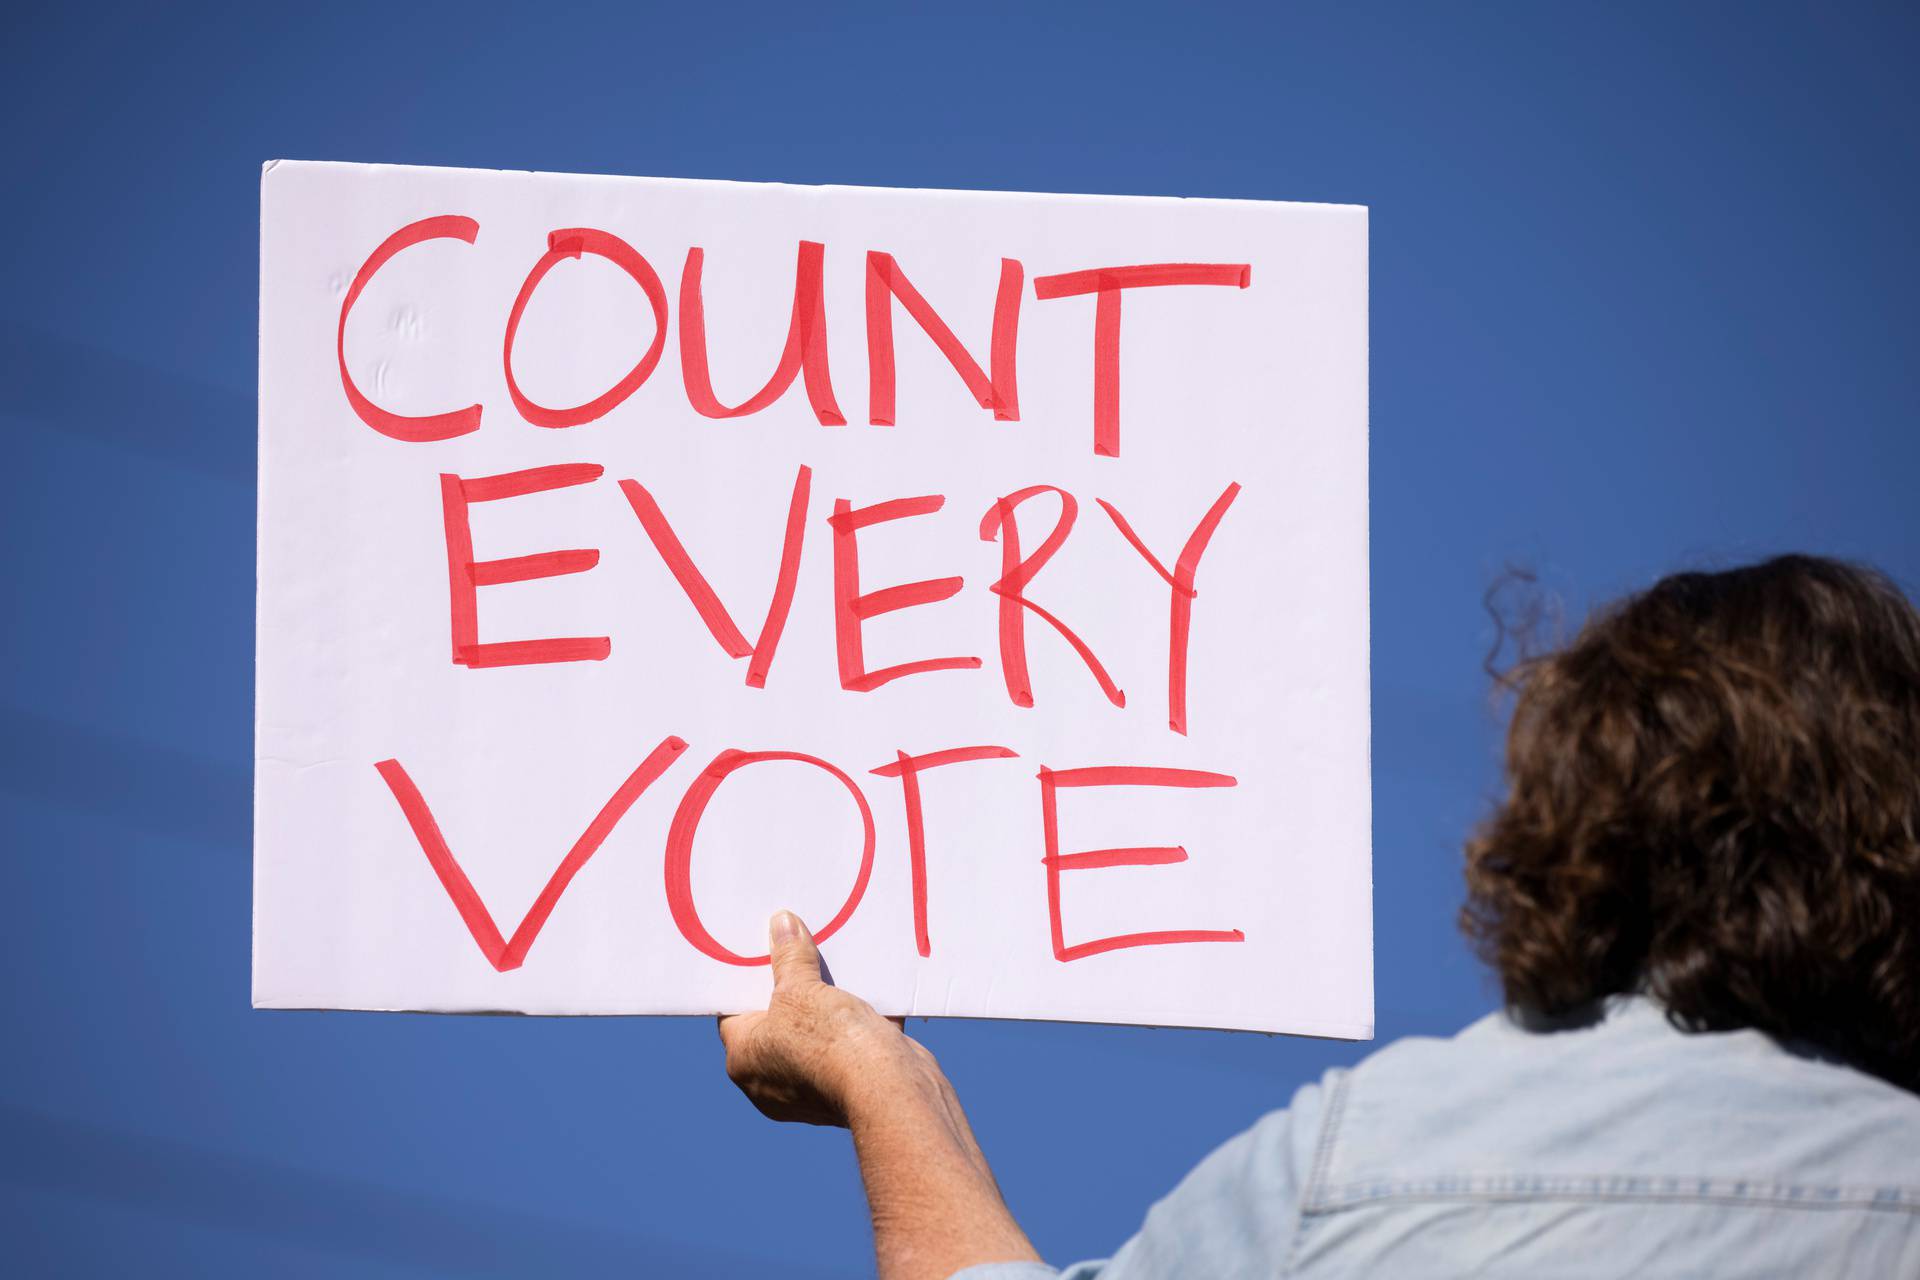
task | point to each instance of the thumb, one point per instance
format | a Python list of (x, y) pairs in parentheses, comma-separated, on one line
[(795, 959)]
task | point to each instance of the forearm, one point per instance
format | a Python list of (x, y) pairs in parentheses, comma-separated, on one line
[(935, 1205), (824, 1056)]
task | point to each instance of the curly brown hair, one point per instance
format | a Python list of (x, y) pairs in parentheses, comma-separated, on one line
[(1714, 798)]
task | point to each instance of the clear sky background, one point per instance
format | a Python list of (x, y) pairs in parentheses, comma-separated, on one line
[(1643, 298)]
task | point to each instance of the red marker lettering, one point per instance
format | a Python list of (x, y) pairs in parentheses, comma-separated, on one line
[(1051, 780), (571, 243), (1106, 284), (1015, 573), (686, 821), (1000, 393), (705, 602), (851, 609), (465, 575), (504, 954), (908, 769), (432, 426), (1180, 613), (806, 344)]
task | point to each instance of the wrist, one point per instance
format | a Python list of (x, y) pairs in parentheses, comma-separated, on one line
[(893, 1084)]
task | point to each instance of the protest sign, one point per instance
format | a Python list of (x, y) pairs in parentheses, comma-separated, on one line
[(982, 576)]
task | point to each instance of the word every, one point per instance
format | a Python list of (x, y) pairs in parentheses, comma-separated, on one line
[(805, 354), (509, 953), (853, 606)]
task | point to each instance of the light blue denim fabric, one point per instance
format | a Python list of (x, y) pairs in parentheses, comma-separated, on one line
[(1621, 1147)]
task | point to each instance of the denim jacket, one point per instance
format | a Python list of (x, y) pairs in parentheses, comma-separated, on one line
[(1616, 1147)]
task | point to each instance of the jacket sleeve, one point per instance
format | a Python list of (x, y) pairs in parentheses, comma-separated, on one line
[(1234, 1215)]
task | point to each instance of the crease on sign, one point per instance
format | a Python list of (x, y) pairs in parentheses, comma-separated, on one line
[(913, 1001), (296, 765)]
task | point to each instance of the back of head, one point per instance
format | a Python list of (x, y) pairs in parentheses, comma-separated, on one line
[(1714, 798)]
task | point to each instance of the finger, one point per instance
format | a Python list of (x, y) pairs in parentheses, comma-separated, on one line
[(795, 958), (736, 1027)]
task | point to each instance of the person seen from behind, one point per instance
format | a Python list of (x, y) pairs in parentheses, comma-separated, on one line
[(1701, 896)]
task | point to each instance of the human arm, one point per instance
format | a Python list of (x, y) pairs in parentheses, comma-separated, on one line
[(821, 1055)]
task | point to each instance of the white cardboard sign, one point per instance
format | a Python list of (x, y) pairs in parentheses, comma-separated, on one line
[(982, 576)]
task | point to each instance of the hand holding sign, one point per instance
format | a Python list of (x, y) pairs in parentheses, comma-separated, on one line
[(809, 1054)]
